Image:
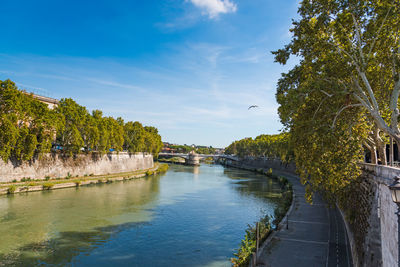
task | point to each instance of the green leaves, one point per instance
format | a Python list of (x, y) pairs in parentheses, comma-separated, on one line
[(26, 125), (28, 128), (273, 146)]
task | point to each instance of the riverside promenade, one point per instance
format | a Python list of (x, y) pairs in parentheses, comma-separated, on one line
[(316, 235)]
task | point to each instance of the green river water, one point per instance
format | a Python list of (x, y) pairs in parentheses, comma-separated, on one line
[(190, 216)]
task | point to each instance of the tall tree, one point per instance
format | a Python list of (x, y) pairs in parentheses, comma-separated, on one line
[(358, 42)]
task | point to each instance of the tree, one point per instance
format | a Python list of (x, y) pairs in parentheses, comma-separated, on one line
[(358, 44), (344, 92), (28, 128), (152, 140), (26, 125), (134, 137), (71, 130)]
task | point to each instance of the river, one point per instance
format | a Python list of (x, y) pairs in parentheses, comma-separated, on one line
[(190, 216)]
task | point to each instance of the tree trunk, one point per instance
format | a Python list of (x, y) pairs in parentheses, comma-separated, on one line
[(382, 153), (391, 153), (381, 146), (374, 156)]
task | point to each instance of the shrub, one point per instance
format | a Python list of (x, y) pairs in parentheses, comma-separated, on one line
[(283, 207), (68, 176), (149, 173), (48, 186), (85, 175), (47, 178), (163, 168), (100, 181), (31, 184), (78, 183), (91, 174), (14, 181), (11, 189), (248, 244)]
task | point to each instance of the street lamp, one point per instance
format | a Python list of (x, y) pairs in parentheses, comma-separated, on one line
[(395, 190)]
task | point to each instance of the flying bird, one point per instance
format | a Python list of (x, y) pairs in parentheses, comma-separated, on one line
[(253, 106)]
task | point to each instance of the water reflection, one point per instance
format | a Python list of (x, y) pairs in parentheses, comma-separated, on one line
[(191, 216), (31, 220), (254, 184)]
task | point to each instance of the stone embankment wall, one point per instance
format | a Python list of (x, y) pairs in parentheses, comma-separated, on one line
[(264, 163), (55, 165), (370, 217)]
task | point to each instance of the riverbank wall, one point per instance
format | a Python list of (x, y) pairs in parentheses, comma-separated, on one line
[(58, 166), (371, 219), (260, 163)]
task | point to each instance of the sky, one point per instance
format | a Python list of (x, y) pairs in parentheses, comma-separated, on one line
[(191, 68)]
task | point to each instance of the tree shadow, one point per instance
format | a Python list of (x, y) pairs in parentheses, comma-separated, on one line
[(61, 250)]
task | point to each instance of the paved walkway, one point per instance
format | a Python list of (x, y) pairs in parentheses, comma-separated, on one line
[(316, 236)]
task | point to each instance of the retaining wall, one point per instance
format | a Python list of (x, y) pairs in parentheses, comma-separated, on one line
[(370, 214), (264, 163), (55, 165)]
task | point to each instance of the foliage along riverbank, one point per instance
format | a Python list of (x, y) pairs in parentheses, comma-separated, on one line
[(29, 129), (31, 185), (266, 224)]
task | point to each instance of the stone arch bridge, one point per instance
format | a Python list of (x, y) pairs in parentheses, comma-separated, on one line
[(194, 158)]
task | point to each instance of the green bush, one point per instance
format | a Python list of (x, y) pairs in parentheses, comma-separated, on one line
[(78, 183), (47, 178), (11, 189), (248, 244), (48, 186), (149, 173), (163, 168), (283, 207), (14, 181)]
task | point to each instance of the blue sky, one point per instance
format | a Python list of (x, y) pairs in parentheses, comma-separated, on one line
[(189, 67)]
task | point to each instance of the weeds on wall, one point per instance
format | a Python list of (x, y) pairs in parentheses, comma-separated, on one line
[(11, 189)]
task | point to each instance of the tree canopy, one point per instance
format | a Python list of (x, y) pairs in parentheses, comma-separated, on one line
[(343, 94), (28, 128), (271, 146)]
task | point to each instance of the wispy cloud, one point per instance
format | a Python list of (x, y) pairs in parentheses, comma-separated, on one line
[(115, 84), (213, 8)]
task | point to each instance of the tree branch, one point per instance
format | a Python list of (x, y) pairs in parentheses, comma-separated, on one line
[(341, 110), (358, 37)]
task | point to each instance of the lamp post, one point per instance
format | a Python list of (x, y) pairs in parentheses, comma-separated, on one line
[(395, 190)]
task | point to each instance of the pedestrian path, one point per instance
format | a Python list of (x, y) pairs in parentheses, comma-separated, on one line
[(315, 237)]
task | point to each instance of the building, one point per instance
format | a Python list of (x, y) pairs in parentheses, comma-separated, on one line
[(50, 102)]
